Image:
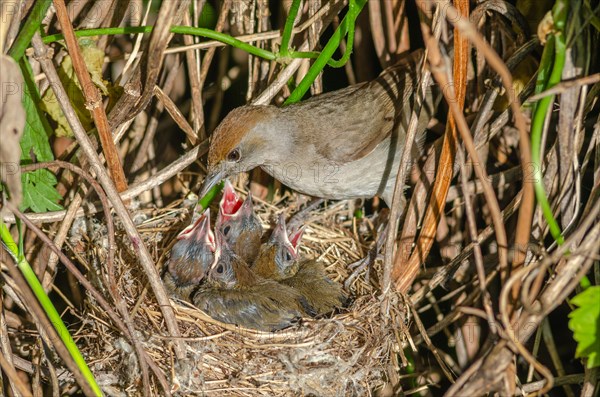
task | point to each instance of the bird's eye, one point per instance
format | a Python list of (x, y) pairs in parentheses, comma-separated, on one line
[(288, 256), (226, 230), (220, 269), (234, 155)]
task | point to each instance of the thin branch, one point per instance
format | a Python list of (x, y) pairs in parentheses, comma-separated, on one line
[(566, 277), (134, 190), (564, 86), (109, 262), (446, 272), (526, 210), (192, 57), (463, 129), (398, 195), (477, 254), (92, 97), (90, 288), (16, 382), (175, 114), (46, 328)]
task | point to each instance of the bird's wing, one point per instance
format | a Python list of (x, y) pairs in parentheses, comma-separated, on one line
[(249, 308), (368, 112)]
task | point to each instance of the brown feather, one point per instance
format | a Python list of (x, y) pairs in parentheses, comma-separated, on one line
[(232, 129), (362, 131)]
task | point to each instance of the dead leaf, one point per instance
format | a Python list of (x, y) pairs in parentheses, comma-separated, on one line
[(12, 123), (94, 59)]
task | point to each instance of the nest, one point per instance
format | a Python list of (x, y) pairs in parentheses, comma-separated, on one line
[(346, 353)]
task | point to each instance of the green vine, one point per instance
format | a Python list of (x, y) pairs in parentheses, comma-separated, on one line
[(556, 44), (284, 51), (346, 27)]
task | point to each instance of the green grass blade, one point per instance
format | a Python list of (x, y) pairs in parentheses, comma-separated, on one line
[(205, 201), (32, 24), (556, 42), (48, 307)]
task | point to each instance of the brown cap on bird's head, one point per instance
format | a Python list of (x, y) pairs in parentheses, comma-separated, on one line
[(226, 155)]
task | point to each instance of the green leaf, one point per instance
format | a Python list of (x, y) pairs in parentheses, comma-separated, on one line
[(34, 143), (585, 324), (39, 193)]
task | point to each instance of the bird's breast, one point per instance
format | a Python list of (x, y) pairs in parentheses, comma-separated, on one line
[(307, 172)]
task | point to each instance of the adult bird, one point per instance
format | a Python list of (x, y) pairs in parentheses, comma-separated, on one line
[(340, 145)]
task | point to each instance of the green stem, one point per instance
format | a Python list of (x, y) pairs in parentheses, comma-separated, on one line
[(202, 32), (48, 307), (346, 26), (539, 117), (100, 32), (221, 37), (545, 66), (205, 201), (32, 24), (284, 50), (314, 55), (350, 42)]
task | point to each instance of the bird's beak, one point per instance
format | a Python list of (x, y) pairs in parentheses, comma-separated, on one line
[(247, 208), (230, 203), (199, 230), (296, 236), (279, 234), (291, 240), (211, 180), (219, 241)]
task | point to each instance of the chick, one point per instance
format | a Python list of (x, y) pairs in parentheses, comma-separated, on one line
[(234, 294), (278, 259), (190, 258), (322, 294), (239, 224)]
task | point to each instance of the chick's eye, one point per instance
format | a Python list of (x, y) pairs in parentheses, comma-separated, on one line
[(226, 230), (288, 256), (234, 155), (220, 269)]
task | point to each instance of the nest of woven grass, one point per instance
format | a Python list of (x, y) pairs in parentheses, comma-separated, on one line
[(345, 353)]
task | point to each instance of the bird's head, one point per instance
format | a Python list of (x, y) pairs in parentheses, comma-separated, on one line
[(194, 250), (288, 244), (240, 143), (228, 269), (236, 216), (278, 257), (199, 231)]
